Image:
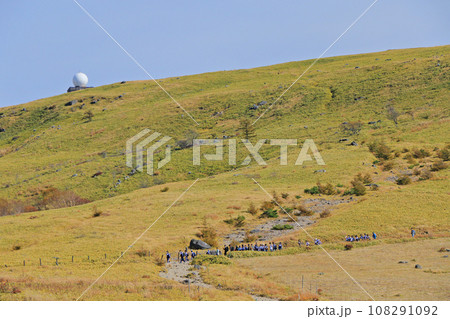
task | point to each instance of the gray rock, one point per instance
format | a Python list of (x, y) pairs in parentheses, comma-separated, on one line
[(353, 143), (402, 262), (418, 266), (343, 140), (446, 256), (73, 102), (198, 244)]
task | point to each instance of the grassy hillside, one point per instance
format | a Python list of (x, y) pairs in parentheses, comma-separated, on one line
[(358, 88), (46, 143)]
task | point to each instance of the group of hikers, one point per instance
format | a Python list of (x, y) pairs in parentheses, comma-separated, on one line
[(183, 256), (271, 246), (186, 255), (317, 242), (360, 237)]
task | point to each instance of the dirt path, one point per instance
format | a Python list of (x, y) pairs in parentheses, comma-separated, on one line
[(184, 273)]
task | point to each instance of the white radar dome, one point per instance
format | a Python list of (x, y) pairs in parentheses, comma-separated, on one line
[(80, 79)]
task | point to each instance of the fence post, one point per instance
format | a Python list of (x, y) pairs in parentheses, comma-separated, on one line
[(72, 258), (88, 258), (105, 256), (24, 262), (40, 262), (302, 282)]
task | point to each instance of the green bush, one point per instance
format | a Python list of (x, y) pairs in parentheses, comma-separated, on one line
[(380, 150), (270, 213), (403, 180), (313, 190), (282, 227), (238, 221)]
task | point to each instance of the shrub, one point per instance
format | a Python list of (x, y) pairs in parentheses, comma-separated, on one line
[(209, 236), (237, 222), (425, 174), (358, 188), (55, 198), (270, 213), (143, 253), (348, 246), (275, 197), (387, 166), (380, 150), (366, 179), (29, 209), (403, 180), (165, 189), (282, 227), (303, 211), (210, 259), (444, 154), (298, 196), (16, 247), (284, 195), (88, 115), (252, 209), (420, 153), (351, 128), (11, 207), (326, 213), (267, 205), (438, 165), (95, 211), (313, 190), (327, 189), (249, 238), (188, 142)]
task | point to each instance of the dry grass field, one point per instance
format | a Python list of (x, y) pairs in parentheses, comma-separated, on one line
[(53, 148), (376, 268)]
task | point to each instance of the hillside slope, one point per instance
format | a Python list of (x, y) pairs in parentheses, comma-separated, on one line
[(47, 143), (406, 163)]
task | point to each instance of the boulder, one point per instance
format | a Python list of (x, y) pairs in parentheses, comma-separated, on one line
[(353, 143), (402, 262), (198, 244), (70, 103), (418, 266)]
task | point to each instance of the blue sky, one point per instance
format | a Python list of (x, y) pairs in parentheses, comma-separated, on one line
[(43, 43)]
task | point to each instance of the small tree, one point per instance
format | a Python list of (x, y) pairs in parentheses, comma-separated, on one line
[(353, 128), (88, 115), (247, 129), (393, 114)]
